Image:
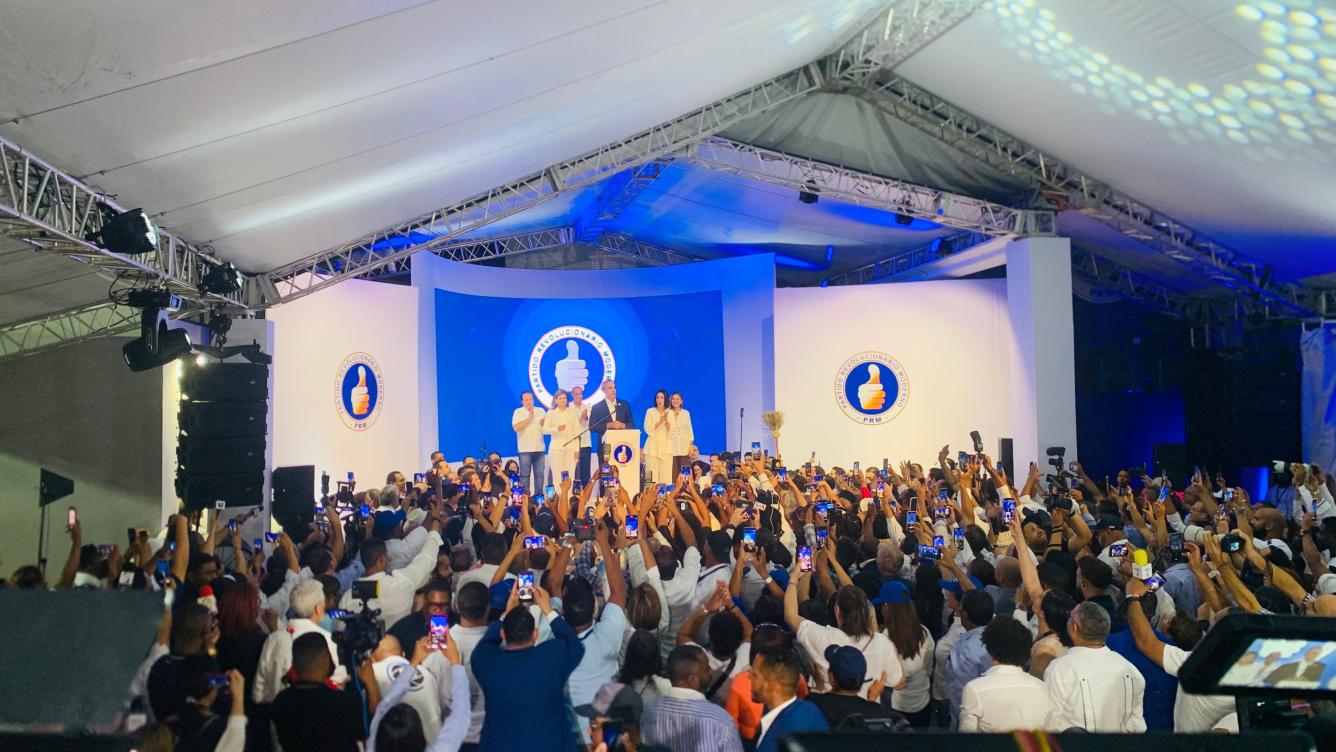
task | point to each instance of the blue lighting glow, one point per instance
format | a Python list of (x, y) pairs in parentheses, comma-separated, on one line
[(830, 253)]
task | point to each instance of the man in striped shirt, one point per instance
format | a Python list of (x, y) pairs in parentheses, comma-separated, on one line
[(682, 719)]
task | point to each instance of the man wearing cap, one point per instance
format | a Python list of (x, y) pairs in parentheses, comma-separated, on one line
[(847, 668), (1005, 698), (614, 713)]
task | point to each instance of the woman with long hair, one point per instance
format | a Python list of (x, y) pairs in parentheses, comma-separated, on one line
[(680, 434), (855, 624), (641, 665), (913, 646), (562, 423), (1055, 608), (658, 441), (929, 603)]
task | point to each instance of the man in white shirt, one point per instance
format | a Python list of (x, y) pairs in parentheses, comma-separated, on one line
[(527, 420), (1192, 713), (1092, 687), (395, 599), (472, 602), (1006, 698), (308, 601)]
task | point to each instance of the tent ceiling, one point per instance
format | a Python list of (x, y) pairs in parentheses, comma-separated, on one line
[(272, 131)]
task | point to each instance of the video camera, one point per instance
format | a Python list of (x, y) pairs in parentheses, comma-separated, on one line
[(362, 630)]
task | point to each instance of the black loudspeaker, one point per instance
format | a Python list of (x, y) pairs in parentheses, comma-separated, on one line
[(1005, 459), (294, 496), (1172, 459), (222, 429), (53, 487)]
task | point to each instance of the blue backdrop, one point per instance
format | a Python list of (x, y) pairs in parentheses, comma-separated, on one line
[(488, 350)]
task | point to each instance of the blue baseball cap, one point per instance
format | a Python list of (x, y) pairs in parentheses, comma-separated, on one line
[(781, 578), (500, 594), (951, 586), (386, 522), (848, 666), (893, 591)]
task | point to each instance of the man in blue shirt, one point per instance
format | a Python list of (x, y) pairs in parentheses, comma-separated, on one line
[(775, 677), (969, 659), (1157, 704), (602, 637), (524, 683)]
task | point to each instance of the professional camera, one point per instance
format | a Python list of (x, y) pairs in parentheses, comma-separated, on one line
[(362, 630), (1055, 455)]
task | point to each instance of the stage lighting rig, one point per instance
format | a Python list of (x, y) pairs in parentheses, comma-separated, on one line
[(129, 233), (157, 344), (904, 220), (811, 194), (223, 279)]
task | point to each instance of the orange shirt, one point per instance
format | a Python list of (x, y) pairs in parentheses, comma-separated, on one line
[(746, 712)]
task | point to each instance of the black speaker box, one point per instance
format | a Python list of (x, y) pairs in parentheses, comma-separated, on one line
[(294, 496)]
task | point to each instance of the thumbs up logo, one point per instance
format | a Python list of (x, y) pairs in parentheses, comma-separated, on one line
[(359, 395), (871, 388), (571, 371), (561, 359), (871, 396)]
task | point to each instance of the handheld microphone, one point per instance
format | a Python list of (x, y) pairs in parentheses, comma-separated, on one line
[(1141, 567), (978, 442)]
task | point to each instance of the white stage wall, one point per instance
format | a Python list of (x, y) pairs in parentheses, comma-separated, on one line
[(952, 339), (313, 337)]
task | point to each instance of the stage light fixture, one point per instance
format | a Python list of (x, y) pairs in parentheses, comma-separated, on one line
[(809, 196), (129, 233), (830, 253), (223, 279), (157, 344), (825, 282), (935, 246), (904, 220)]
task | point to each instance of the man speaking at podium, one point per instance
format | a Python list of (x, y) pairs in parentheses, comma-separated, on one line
[(610, 414)]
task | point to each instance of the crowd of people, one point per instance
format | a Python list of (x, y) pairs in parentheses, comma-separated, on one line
[(738, 604)]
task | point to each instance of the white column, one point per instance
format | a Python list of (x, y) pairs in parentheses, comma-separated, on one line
[(1039, 299)]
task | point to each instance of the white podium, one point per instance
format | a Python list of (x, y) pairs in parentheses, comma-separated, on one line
[(624, 454)]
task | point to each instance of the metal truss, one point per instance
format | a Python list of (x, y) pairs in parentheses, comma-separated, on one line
[(618, 193), (905, 261), (66, 328), (649, 254), (864, 189), (891, 37), (1065, 187), (53, 211), (473, 251)]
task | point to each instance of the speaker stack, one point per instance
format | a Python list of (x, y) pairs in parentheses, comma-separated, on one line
[(223, 424)]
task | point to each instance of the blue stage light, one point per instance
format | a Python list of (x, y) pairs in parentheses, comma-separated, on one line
[(830, 253), (825, 282)]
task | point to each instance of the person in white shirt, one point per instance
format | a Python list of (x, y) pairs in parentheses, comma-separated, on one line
[(562, 423), (308, 601), (585, 444), (913, 646), (1092, 687), (1192, 713), (430, 689), (855, 625), (680, 433), (395, 599), (658, 441), (1005, 698), (472, 601), (677, 581), (527, 420)]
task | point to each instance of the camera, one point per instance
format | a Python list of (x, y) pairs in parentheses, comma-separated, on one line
[(583, 529), (1231, 543), (1055, 458)]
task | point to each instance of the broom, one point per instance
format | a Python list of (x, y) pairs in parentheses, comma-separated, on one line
[(773, 421)]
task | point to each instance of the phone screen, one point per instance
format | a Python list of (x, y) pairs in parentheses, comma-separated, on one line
[(1118, 549), (565, 475), (686, 470), (549, 491), (1164, 492), (960, 535), (756, 445), (783, 473), (632, 526), (748, 539), (232, 525), (718, 489), (804, 559), (364, 510), (71, 517), (856, 467), (821, 536), (419, 477), (436, 629), (526, 586), (532, 542), (938, 541), (1175, 542), (257, 544), (1008, 510), (929, 552), (911, 519)]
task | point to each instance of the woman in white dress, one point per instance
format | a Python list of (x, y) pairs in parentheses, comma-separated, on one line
[(680, 433), (658, 445), (562, 422)]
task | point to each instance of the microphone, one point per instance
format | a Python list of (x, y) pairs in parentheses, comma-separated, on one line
[(742, 411), (1141, 566)]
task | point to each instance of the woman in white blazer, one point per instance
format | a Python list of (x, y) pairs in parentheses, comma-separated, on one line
[(658, 450), (680, 434), (562, 422)]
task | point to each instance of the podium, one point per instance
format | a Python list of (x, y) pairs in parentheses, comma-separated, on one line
[(623, 446)]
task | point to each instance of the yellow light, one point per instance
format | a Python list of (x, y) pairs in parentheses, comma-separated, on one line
[(1295, 86), (1249, 13), (1198, 90), (1304, 18), (1270, 71)]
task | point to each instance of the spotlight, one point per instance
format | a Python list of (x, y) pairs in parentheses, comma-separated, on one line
[(223, 279), (825, 282), (940, 247), (830, 253), (904, 220), (157, 345), (935, 246), (129, 233), (809, 196), (201, 360)]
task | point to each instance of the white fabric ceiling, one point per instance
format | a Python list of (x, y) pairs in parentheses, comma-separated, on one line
[(274, 130)]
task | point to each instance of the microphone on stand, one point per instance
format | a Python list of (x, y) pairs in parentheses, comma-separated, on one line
[(741, 412)]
